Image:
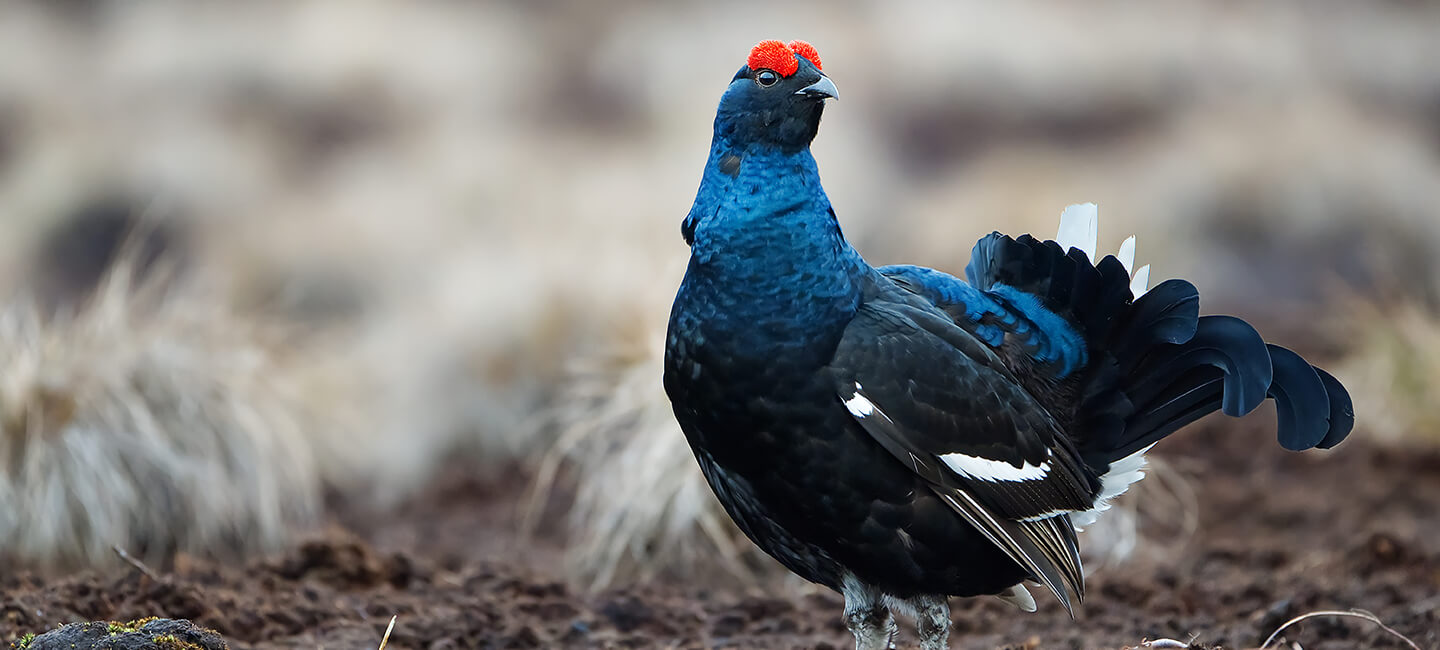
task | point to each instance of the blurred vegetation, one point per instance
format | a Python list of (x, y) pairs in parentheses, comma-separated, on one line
[(446, 207)]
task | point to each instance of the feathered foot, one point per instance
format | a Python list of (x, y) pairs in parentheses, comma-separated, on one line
[(867, 616), (932, 617)]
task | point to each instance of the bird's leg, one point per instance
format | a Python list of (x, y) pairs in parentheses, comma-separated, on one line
[(867, 616), (932, 617)]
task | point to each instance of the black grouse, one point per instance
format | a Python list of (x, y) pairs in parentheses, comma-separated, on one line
[(902, 435)]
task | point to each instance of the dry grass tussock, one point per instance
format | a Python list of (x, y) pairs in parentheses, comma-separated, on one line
[(641, 506), (1153, 521), (1393, 368), (147, 418)]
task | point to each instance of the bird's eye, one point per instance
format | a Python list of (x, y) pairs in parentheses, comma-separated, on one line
[(766, 78)]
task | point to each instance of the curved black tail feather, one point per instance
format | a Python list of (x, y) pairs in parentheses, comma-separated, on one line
[(1154, 364)]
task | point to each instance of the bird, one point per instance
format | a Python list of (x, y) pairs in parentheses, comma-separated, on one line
[(902, 435)]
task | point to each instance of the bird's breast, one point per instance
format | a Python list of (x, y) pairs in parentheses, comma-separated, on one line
[(755, 330)]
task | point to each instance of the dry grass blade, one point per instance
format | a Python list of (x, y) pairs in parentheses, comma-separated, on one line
[(139, 566), (388, 629), (1354, 613)]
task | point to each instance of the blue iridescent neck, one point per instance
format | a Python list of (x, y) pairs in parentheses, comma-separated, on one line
[(763, 238), (762, 204)]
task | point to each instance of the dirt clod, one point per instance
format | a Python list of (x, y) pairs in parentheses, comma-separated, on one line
[(145, 634)]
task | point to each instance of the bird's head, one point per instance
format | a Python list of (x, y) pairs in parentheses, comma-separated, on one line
[(776, 99)]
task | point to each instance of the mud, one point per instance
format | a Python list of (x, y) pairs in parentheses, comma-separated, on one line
[(1280, 535)]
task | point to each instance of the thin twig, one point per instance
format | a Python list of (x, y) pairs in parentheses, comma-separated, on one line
[(140, 566), (386, 639), (1354, 613)]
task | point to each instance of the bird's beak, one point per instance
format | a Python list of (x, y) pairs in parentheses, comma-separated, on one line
[(823, 89)]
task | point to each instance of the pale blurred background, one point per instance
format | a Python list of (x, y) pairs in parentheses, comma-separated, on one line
[(450, 230)]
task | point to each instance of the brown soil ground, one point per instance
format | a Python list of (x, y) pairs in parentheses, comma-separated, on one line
[(1280, 534)]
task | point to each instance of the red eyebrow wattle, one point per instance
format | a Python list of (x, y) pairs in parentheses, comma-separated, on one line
[(808, 51), (773, 55), (777, 56)]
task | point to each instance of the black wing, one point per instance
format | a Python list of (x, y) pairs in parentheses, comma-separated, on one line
[(942, 403)]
